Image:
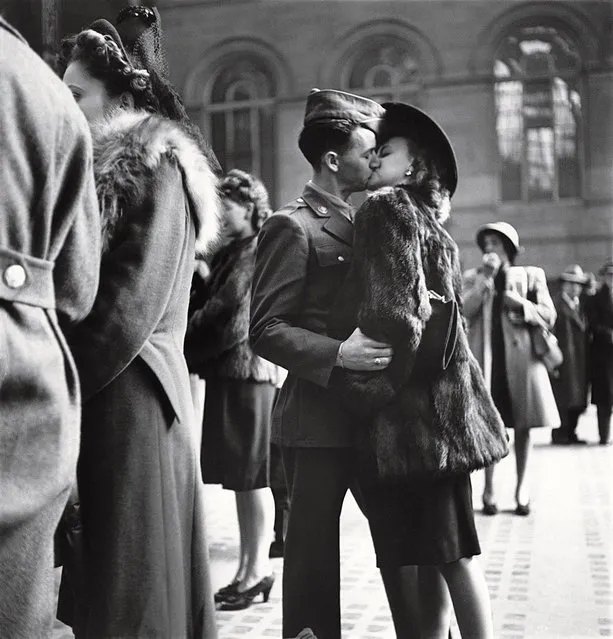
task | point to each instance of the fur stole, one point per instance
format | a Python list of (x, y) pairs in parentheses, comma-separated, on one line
[(413, 427), (128, 147), (217, 339)]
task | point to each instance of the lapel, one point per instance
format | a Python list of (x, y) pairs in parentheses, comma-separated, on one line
[(572, 314), (336, 224)]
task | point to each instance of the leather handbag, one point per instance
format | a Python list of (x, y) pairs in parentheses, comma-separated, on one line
[(439, 338), (545, 347)]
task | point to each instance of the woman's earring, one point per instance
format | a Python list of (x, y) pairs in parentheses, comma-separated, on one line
[(408, 172)]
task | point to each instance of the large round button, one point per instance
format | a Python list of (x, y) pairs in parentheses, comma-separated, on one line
[(15, 276)]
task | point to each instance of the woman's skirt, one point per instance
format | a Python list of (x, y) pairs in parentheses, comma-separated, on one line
[(421, 524), (236, 433)]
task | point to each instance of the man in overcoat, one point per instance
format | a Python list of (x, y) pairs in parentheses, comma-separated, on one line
[(570, 384), (303, 256), (599, 309), (49, 263)]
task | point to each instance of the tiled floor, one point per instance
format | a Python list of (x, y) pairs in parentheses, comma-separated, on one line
[(549, 574)]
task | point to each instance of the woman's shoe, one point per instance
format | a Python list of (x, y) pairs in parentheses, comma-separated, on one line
[(223, 593), (242, 600), (523, 510), (489, 508)]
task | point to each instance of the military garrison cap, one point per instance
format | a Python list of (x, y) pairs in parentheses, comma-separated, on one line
[(329, 105)]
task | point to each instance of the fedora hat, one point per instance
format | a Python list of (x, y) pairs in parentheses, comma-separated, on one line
[(606, 268), (405, 120), (573, 273), (330, 105)]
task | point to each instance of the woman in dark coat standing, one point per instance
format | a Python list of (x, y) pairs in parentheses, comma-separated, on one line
[(421, 433), (146, 565), (599, 310), (240, 386)]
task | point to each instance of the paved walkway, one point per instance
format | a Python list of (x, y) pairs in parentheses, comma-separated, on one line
[(549, 574)]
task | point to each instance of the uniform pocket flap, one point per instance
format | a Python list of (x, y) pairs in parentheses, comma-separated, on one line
[(333, 255)]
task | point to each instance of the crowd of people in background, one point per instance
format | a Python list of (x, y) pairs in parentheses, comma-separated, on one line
[(313, 340)]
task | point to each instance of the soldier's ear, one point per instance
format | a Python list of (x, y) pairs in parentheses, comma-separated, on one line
[(330, 160)]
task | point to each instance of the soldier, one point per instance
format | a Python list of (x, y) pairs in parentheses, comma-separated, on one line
[(303, 256), (49, 264)]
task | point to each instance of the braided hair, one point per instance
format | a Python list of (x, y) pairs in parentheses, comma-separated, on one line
[(106, 61), (243, 188)]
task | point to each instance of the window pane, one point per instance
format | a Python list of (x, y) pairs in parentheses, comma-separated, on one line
[(538, 113), (567, 109), (541, 176), (218, 138), (384, 61), (509, 127)]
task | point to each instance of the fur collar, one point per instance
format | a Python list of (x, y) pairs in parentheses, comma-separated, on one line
[(131, 144)]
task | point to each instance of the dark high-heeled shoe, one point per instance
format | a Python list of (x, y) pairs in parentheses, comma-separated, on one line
[(223, 593), (242, 600), (523, 510), (490, 508)]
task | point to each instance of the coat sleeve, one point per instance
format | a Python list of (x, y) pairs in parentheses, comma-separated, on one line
[(475, 289), (395, 304), (136, 279), (214, 328), (77, 263), (539, 309), (276, 304)]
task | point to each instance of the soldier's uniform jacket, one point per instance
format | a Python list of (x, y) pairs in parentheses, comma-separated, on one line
[(49, 262), (304, 253)]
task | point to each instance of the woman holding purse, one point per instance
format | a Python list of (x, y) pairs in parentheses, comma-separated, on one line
[(420, 431), (502, 304)]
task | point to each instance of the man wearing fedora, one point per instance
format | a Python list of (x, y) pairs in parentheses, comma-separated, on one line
[(599, 310), (304, 254), (570, 384)]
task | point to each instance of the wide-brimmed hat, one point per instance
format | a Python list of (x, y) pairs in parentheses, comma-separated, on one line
[(606, 268), (405, 120), (330, 105), (506, 230), (573, 273)]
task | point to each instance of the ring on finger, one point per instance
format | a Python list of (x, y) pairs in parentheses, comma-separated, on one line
[(377, 361)]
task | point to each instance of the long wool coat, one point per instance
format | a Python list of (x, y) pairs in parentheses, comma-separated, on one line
[(139, 482), (49, 233), (600, 317), (412, 423), (571, 384), (217, 340), (532, 398)]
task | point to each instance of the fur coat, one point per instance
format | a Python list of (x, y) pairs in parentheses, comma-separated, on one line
[(217, 339), (413, 426)]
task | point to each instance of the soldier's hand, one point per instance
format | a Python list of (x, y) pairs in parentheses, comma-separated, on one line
[(361, 353)]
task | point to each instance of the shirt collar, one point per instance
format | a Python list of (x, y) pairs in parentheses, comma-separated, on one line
[(344, 208)]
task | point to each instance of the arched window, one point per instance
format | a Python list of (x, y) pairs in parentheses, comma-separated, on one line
[(383, 68), (538, 114), (241, 117)]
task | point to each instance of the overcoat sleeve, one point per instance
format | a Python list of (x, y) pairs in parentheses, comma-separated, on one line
[(475, 288), (540, 307), (77, 264), (212, 329), (136, 279), (276, 305), (394, 304)]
